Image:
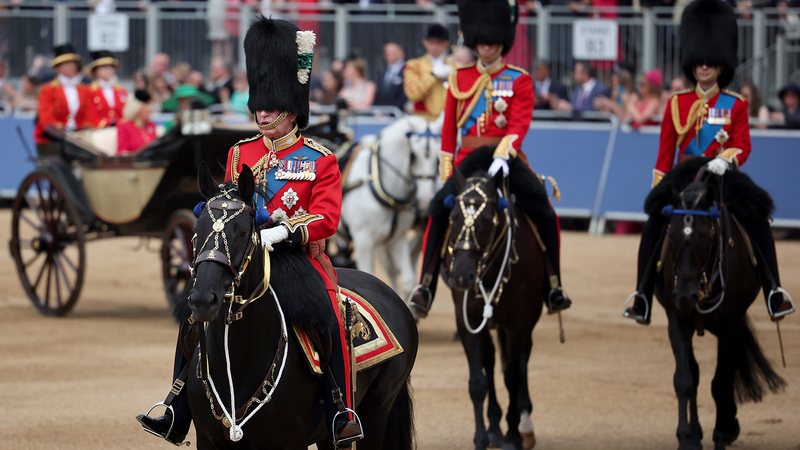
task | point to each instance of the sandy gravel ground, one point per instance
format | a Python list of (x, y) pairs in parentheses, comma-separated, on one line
[(78, 382)]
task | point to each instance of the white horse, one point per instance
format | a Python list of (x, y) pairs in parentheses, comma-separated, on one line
[(387, 189)]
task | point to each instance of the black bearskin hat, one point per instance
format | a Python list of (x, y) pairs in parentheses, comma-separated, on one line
[(278, 60), (488, 22), (709, 35)]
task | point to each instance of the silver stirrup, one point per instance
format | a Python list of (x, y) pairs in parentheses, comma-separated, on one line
[(629, 303), (172, 423), (786, 296), (416, 310), (358, 421)]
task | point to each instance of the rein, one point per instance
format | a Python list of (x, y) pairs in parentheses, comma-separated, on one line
[(225, 203)]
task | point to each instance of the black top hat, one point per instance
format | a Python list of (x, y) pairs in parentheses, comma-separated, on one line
[(438, 31), (488, 22), (102, 58), (278, 58), (709, 35), (64, 53)]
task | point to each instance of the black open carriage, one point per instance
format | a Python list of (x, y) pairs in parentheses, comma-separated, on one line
[(83, 194)]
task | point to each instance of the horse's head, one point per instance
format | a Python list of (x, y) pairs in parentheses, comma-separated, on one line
[(474, 226), (224, 240), (424, 141), (693, 241)]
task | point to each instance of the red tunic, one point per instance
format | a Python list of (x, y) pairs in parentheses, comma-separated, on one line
[(686, 113), (54, 109), (308, 208), (102, 114), (131, 139), (467, 112)]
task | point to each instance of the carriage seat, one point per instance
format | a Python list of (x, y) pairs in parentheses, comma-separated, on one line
[(104, 140)]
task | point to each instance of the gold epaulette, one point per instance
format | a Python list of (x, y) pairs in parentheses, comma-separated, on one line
[(734, 94), (518, 69), (310, 143)]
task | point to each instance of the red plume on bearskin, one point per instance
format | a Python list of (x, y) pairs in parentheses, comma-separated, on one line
[(709, 35)]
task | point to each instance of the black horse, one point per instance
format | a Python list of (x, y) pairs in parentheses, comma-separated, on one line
[(489, 238), (707, 281), (268, 361)]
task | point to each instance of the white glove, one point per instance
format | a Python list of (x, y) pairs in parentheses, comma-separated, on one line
[(442, 71), (497, 164), (718, 166), (274, 235)]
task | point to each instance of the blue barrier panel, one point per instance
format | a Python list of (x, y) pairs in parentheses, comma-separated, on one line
[(772, 164), (15, 160), (630, 174), (573, 155)]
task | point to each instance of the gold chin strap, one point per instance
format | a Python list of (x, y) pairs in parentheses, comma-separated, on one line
[(272, 124)]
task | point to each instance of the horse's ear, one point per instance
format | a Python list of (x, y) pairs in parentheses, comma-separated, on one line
[(208, 187), (459, 177), (247, 185)]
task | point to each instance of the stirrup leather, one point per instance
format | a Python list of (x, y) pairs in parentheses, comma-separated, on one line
[(629, 302), (349, 440), (786, 297), (172, 423)]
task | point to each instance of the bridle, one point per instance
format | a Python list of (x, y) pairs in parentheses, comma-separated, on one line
[(700, 256), (230, 209), (466, 239)]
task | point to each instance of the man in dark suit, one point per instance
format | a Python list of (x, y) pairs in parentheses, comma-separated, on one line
[(548, 92), (390, 81), (587, 88)]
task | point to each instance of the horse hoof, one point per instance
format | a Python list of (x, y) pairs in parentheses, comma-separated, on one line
[(528, 441), (495, 440)]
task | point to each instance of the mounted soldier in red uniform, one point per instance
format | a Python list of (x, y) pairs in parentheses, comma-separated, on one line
[(706, 121), (489, 103), (300, 198)]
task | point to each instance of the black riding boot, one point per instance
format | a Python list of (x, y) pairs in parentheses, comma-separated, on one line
[(779, 304), (346, 429), (422, 296), (531, 197), (174, 424), (641, 309)]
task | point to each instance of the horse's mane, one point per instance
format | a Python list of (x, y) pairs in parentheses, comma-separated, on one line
[(743, 197)]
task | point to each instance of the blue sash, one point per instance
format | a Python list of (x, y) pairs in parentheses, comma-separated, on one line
[(272, 185), (480, 108), (708, 132)]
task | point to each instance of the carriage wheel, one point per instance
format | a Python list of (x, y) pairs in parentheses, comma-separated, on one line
[(47, 244), (176, 255)]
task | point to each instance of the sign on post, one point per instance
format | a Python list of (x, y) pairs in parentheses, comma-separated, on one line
[(595, 39), (108, 32)]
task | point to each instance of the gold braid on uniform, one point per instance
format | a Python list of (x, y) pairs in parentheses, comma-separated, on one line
[(460, 96), (696, 112)]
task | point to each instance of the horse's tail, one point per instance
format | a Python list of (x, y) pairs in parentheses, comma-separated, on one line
[(399, 433), (754, 373)]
